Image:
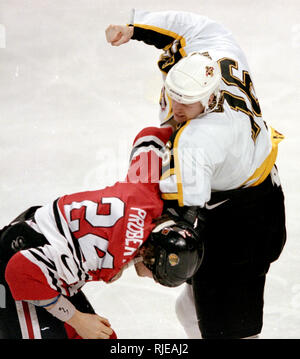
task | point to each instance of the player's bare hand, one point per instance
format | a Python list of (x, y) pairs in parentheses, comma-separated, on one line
[(117, 35), (90, 326)]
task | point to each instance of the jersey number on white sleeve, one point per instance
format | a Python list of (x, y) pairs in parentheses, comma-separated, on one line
[(238, 103)]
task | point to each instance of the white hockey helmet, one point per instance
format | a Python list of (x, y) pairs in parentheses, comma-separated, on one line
[(194, 78)]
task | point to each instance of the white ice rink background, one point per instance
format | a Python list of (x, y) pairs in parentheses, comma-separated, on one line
[(70, 106)]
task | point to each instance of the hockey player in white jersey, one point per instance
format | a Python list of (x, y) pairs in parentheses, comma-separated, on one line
[(221, 159)]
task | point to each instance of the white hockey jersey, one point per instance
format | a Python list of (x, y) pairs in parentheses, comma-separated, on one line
[(226, 149)]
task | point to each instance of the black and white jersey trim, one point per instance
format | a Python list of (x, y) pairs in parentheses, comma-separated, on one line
[(60, 260), (72, 242), (146, 144)]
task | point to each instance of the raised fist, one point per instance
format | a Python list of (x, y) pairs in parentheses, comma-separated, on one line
[(117, 35)]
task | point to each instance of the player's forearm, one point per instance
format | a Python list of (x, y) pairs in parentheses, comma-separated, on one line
[(192, 32), (61, 308), (145, 158), (88, 326), (159, 29), (162, 28)]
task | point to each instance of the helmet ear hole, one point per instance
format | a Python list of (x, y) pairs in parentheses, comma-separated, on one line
[(147, 252)]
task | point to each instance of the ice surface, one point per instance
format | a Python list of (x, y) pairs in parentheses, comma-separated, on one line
[(70, 105)]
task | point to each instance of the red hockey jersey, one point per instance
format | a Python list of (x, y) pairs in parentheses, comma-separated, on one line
[(92, 235)]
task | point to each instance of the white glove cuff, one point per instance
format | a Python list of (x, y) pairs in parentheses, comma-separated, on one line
[(63, 309)]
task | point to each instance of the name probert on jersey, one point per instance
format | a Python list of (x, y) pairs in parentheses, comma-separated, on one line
[(135, 230)]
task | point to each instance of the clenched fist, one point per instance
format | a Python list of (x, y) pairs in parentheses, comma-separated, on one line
[(118, 34)]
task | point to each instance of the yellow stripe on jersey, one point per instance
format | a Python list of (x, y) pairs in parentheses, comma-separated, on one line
[(264, 170), (170, 196), (167, 174), (177, 165), (175, 171)]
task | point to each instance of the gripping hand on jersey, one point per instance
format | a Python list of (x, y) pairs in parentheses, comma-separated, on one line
[(117, 35)]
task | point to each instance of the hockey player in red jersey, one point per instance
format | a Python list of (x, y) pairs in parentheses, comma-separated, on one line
[(48, 253)]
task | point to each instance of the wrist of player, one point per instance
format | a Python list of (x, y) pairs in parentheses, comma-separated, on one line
[(62, 309), (88, 326)]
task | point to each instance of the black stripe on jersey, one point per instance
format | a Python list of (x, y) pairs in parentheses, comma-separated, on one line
[(54, 280), (49, 263), (60, 227), (170, 42), (57, 218), (50, 266), (63, 258), (151, 37), (61, 231), (77, 256), (144, 144)]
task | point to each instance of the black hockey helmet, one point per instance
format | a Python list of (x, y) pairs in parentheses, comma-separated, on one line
[(173, 253)]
